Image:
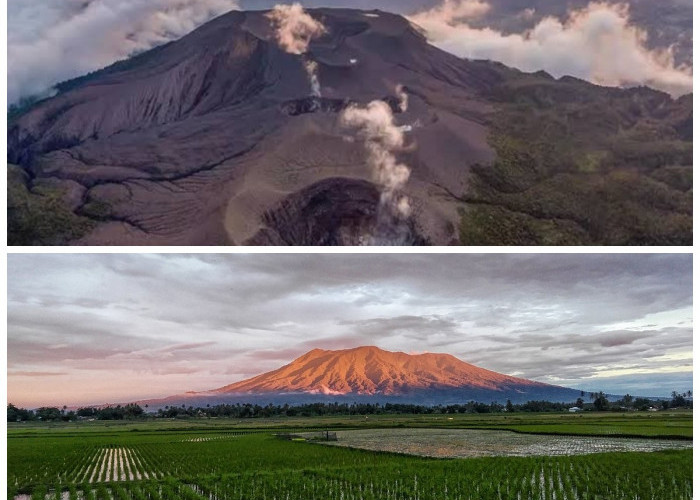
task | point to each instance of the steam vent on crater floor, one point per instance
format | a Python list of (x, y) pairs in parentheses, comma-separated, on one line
[(363, 133)]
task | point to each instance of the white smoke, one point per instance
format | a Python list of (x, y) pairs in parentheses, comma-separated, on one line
[(383, 138), (403, 98), (596, 43), (311, 68), (294, 28), (53, 40)]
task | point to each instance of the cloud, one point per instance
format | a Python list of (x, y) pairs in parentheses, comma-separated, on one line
[(54, 40), (651, 384), (588, 354), (417, 327), (35, 374), (174, 352), (596, 43), (454, 11), (103, 317)]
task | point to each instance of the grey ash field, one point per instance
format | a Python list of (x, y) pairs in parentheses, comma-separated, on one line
[(257, 458), (213, 139)]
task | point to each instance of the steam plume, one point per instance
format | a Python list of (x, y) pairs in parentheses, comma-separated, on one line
[(294, 30), (382, 139), (311, 68), (53, 40), (403, 98), (596, 43)]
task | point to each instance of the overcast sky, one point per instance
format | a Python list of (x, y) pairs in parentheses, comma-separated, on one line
[(97, 328)]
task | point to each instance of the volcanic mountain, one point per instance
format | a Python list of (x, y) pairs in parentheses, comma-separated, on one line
[(370, 374), (220, 138), (370, 370)]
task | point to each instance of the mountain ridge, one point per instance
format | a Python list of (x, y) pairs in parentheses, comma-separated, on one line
[(369, 370), (368, 374), (218, 139)]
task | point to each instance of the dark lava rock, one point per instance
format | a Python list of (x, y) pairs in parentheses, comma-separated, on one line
[(334, 211)]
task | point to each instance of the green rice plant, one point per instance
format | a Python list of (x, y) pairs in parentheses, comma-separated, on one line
[(102, 493), (261, 466), (39, 493)]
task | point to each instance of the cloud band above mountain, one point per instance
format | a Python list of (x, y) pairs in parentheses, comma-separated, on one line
[(596, 43), (54, 40)]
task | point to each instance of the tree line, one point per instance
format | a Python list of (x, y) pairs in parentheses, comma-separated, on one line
[(54, 414), (597, 401)]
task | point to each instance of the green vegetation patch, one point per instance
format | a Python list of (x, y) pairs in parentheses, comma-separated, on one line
[(670, 423), (96, 209), (496, 225), (260, 466), (578, 164), (40, 216)]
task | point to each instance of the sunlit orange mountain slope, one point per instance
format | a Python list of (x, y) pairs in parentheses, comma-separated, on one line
[(370, 370)]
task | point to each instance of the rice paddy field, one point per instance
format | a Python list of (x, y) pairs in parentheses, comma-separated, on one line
[(463, 443), (626, 456)]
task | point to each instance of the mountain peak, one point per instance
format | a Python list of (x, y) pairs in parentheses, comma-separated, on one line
[(225, 113), (370, 370)]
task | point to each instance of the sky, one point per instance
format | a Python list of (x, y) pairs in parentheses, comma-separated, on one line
[(105, 328), (50, 41)]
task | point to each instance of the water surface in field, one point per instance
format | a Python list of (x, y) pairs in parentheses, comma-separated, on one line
[(486, 443)]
